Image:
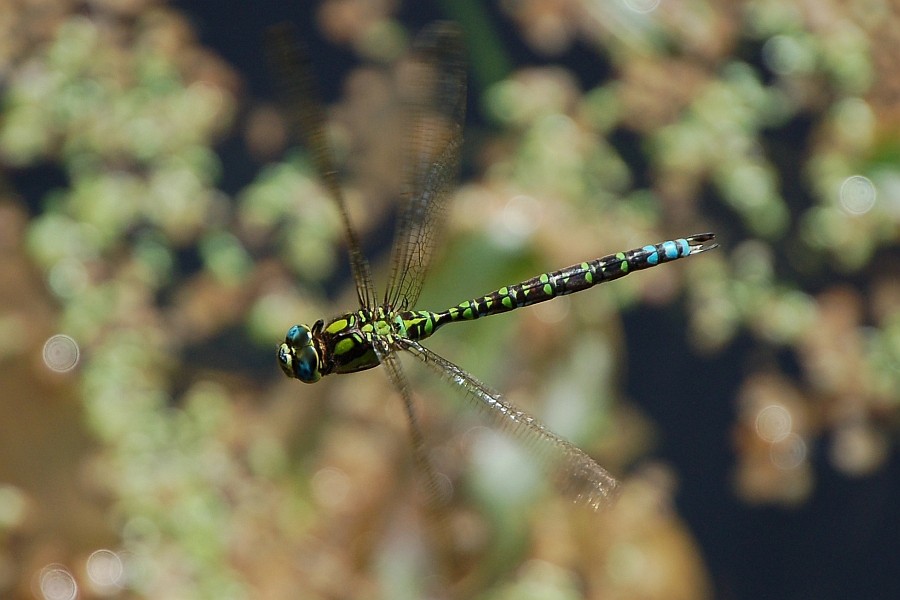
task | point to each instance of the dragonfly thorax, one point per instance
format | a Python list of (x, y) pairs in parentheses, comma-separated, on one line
[(345, 345)]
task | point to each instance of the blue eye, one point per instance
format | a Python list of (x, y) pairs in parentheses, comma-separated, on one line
[(298, 356), (307, 368), (298, 335)]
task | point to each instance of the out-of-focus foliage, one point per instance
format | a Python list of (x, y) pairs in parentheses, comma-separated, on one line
[(175, 442)]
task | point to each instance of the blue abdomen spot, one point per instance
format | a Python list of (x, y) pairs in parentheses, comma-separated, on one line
[(671, 250), (653, 255)]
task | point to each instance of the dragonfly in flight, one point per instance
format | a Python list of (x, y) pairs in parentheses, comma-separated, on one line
[(374, 333)]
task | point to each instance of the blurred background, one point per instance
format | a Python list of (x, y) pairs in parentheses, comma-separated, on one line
[(160, 231)]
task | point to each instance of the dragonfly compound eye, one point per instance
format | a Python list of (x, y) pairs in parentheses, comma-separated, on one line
[(298, 336), (307, 367), (298, 357)]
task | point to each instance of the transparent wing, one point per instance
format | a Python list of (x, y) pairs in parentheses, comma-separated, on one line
[(575, 473), (395, 372), (436, 495), (433, 94), (306, 119)]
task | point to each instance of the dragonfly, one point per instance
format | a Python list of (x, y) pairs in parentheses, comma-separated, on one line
[(375, 333)]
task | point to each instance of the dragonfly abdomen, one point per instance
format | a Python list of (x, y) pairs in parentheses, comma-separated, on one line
[(547, 286)]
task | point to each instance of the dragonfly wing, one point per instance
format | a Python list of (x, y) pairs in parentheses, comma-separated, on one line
[(395, 372), (576, 473), (433, 95), (436, 494), (306, 119)]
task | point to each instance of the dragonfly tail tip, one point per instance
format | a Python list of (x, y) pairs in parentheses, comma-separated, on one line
[(698, 242)]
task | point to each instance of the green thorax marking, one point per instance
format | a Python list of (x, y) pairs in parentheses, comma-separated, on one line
[(349, 340)]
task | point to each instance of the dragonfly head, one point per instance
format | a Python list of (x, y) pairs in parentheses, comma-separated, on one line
[(298, 356)]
